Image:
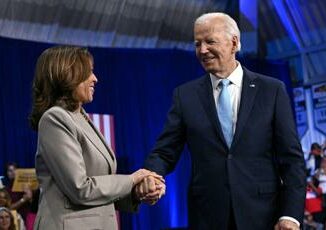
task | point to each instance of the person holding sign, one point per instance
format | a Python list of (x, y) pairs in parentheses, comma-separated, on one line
[(76, 169), (22, 198)]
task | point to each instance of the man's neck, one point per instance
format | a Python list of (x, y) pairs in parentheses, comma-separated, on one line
[(226, 73)]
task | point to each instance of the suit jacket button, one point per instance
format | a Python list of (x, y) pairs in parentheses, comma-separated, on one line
[(230, 156)]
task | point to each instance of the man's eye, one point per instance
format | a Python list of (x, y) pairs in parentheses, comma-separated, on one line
[(197, 44), (211, 42)]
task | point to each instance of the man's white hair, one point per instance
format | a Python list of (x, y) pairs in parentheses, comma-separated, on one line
[(231, 27)]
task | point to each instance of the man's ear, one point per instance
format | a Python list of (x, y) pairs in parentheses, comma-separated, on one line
[(235, 42)]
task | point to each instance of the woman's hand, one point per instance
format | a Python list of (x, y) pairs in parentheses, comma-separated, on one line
[(140, 174)]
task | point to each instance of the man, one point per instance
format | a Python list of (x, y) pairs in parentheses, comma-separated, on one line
[(247, 162)]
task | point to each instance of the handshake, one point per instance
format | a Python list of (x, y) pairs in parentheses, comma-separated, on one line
[(148, 187)]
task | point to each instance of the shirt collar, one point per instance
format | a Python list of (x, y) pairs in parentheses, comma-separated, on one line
[(235, 77)]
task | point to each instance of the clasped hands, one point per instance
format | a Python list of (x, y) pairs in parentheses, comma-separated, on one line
[(149, 187)]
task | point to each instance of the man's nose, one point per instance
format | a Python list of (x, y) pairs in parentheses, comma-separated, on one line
[(203, 48)]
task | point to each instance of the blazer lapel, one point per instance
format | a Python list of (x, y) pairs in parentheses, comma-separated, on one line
[(97, 139), (205, 93), (250, 87)]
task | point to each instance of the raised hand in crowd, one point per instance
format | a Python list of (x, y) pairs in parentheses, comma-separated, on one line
[(27, 197)]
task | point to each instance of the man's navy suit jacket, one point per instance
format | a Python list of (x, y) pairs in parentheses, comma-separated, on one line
[(261, 177)]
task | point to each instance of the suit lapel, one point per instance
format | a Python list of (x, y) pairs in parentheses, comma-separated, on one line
[(250, 87), (205, 93), (96, 138)]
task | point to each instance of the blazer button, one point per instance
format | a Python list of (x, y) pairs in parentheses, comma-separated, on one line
[(230, 156)]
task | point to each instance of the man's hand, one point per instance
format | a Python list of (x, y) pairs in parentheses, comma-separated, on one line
[(150, 190), (286, 225)]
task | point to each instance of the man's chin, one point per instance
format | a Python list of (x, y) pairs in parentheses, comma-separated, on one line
[(209, 69)]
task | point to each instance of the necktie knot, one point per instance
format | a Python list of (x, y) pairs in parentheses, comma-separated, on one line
[(224, 82)]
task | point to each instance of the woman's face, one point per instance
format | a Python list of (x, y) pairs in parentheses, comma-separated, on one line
[(11, 172), (4, 220), (85, 90)]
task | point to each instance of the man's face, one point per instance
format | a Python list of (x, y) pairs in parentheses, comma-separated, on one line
[(215, 48)]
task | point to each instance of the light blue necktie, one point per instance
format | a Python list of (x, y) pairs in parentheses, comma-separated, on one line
[(224, 111)]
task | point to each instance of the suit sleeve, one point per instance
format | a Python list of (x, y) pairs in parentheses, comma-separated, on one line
[(170, 143), (290, 158), (62, 155)]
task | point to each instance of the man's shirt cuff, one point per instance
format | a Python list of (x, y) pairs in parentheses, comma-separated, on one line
[(290, 218)]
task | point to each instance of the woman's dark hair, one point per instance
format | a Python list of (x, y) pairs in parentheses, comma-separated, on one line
[(6, 181), (59, 70), (7, 165)]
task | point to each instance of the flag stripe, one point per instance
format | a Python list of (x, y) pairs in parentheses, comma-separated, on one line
[(105, 124), (106, 129), (112, 137)]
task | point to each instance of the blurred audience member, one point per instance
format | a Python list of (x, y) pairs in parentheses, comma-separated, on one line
[(6, 219), (313, 204), (314, 159), (21, 201), (31, 215), (5, 202), (310, 224), (320, 175)]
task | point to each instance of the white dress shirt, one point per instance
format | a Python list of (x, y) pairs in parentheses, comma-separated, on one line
[(235, 88)]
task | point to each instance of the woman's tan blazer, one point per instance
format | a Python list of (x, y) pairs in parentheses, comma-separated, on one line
[(76, 171)]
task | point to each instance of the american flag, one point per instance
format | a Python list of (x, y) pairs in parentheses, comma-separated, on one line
[(104, 123)]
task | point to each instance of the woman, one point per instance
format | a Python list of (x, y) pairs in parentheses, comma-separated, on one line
[(5, 202), (6, 219), (75, 167)]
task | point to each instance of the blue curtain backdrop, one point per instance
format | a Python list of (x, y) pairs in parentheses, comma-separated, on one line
[(135, 85)]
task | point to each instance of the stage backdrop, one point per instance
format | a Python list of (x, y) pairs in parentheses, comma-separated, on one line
[(135, 86)]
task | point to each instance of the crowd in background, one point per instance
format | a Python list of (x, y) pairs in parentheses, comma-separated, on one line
[(17, 209), (315, 208)]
